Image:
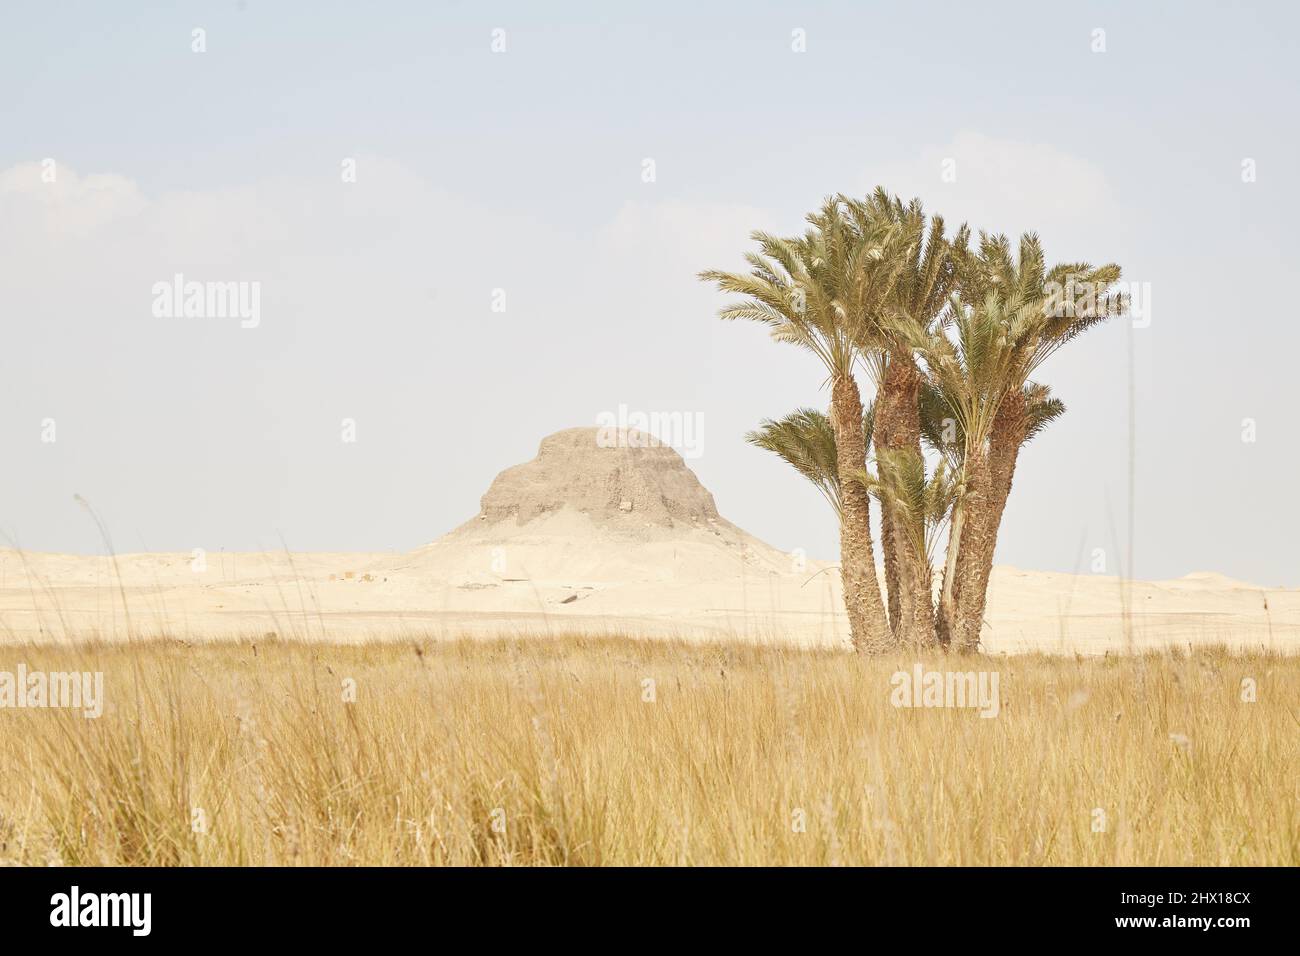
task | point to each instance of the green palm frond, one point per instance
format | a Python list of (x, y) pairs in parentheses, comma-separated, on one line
[(1010, 315), (819, 290), (921, 503), (804, 439), (940, 429), (1041, 409), (922, 270)]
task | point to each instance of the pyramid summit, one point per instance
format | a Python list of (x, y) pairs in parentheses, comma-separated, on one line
[(612, 475)]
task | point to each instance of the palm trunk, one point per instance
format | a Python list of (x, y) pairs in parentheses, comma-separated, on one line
[(868, 625), (1005, 439), (919, 630), (975, 542), (943, 615), (966, 541), (893, 592), (907, 573)]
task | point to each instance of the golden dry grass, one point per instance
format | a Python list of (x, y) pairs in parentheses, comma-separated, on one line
[(545, 752)]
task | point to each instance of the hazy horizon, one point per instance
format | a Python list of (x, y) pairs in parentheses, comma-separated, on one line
[(458, 251)]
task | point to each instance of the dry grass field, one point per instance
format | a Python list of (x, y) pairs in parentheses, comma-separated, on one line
[(563, 752)]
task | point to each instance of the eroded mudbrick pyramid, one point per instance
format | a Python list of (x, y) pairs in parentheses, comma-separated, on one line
[(613, 476)]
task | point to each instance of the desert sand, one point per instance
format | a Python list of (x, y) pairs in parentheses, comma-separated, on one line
[(601, 533)]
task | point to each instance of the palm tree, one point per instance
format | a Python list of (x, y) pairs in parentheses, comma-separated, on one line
[(925, 279), (816, 292), (967, 371), (1011, 316)]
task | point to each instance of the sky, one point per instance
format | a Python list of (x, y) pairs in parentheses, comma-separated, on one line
[(471, 225)]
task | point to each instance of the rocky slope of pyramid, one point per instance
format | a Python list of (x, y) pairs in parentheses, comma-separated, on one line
[(616, 478)]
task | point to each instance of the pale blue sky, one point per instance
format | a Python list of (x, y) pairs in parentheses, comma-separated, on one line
[(522, 171)]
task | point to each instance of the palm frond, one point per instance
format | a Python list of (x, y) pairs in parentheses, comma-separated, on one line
[(805, 440), (1041, 409)]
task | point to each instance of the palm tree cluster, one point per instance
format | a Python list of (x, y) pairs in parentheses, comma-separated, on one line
[(948, 331)]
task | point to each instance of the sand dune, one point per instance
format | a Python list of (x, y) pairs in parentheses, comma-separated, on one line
[(592, 537)]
